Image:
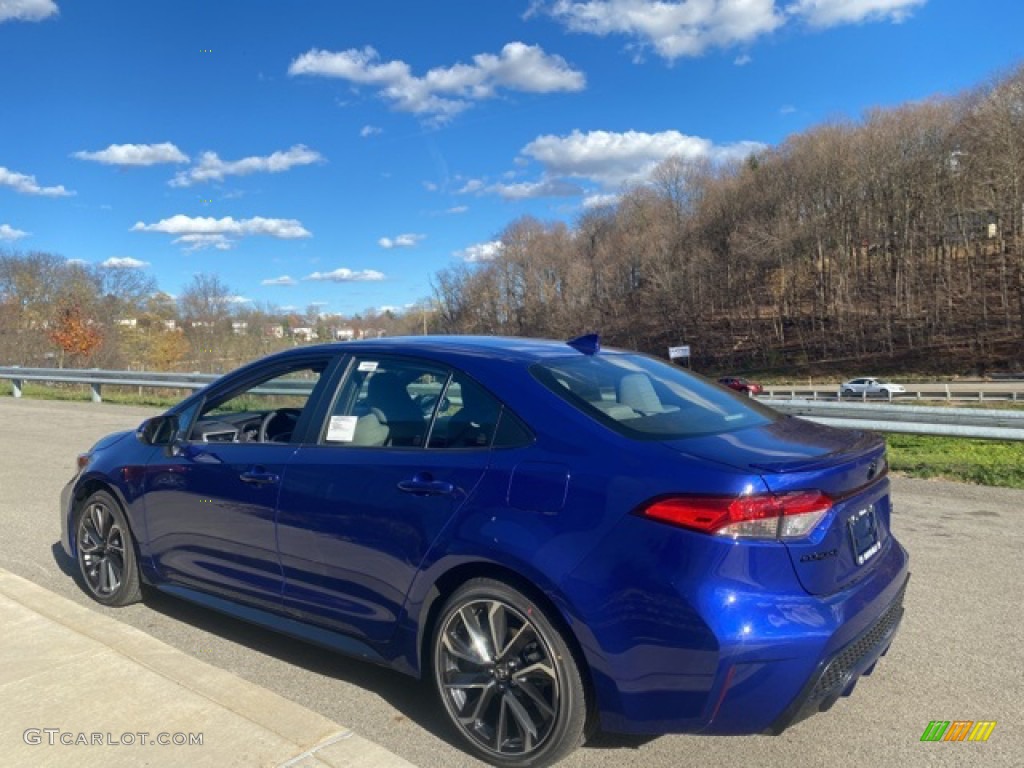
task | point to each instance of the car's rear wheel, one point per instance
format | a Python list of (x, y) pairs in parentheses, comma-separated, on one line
[(106, 551), (848, 392), (506, 676)]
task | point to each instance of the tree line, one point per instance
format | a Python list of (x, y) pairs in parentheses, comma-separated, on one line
[(56, 312), (895, 239)]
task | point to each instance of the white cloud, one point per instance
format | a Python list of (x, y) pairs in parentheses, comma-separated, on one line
[(526, 190), (27, 185), (612, 159), (198, 232), (481, 252), (123, 262), (600, 201), (682, 28), (282, 280), (742, 60), (787, 109), (369, 130), (185, 225), (673, 29), (239, 299), (443, 92), (211, 168), (343, 275), (136, 154), (831, 13), (7, 232), (27, 10), (408, 240), (197, 242), (458, 209)]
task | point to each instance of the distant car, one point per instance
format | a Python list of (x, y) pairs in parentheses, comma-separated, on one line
[(741, 385), (559, 537), (870, 386)]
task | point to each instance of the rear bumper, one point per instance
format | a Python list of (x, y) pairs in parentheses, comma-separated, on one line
[(837, 675), (722, 640)]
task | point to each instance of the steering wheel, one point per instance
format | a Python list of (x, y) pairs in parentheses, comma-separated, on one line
[(280, 433)]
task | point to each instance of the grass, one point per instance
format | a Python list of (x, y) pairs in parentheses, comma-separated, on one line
[(984, 462)]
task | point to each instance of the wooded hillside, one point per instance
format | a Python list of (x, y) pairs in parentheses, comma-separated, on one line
[(891, 241)]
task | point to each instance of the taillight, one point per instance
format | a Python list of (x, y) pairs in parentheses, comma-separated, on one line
[(759, 516)]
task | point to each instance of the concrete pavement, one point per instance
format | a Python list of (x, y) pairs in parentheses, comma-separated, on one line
[(79, 688)]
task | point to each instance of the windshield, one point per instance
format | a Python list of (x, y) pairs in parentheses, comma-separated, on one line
[(647, 399)]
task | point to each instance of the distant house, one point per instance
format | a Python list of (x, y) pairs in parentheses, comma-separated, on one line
[(275, 330), (171, 325), (239, 327), (128, 322), (344, 334), (304, 334)]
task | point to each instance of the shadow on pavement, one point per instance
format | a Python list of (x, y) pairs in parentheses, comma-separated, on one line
[(415, 699)]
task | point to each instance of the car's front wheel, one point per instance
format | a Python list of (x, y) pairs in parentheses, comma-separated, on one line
[(506, 676), (106, 552)]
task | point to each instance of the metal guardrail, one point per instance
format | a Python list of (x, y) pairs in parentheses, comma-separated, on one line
[(96, 378), (921, 392), (909, 419), (880, 416)]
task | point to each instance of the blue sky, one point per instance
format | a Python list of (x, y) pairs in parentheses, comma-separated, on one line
[(340, 153)]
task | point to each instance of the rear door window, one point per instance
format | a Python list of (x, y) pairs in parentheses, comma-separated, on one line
[(400, 403)]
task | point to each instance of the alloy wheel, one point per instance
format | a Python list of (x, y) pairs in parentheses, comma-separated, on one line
[(498, 678), (101, 549)]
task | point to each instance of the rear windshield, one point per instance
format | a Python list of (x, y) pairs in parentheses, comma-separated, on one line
[(647, 399)]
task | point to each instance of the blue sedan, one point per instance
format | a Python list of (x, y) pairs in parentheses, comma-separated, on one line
[(561, 538)]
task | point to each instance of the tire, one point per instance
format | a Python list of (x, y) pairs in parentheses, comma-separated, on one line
[(105, 551), (848, 392), (523, 705)]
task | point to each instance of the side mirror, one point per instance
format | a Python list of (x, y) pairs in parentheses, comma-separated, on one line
[(159, 430)]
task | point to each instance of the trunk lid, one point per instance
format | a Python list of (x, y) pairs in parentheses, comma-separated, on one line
[(792, 454)]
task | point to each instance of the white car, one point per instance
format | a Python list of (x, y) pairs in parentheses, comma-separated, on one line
[(870, 386)]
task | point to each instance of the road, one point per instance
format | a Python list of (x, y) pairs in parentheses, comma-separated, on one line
[(958, 656)]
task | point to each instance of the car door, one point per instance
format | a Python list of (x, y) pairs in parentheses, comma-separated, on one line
[(360, 508), (211, 497)]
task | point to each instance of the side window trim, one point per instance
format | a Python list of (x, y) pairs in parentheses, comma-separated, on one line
[(437, 407)]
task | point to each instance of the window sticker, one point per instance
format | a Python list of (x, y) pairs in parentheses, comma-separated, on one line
[(342, 429), (368, 365)]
